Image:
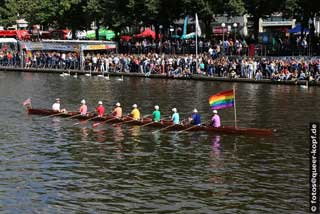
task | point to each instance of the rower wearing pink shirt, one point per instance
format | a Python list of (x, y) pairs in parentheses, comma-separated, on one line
[(215, 121), (83, 108)]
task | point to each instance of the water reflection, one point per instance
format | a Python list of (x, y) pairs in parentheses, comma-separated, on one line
[(216, 161), (135, 133), (84, 131), (101, 135), (216, 147), (118, 135), (156, 137)]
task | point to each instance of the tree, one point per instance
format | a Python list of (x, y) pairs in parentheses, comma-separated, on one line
[(260, 9)]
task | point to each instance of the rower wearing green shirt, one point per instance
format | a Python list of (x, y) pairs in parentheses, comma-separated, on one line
[(156, 114)]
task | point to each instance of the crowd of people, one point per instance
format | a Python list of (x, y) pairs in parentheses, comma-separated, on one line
[(116, 113), (208, 64)]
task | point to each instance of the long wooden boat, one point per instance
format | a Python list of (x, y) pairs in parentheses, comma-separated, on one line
[(164, 124)]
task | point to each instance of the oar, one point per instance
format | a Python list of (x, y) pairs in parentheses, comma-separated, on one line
[(76, 115), (193, 127), (167, 127), (53, 115), (129, 121), (85, 120), (103, 122), (149, 123)]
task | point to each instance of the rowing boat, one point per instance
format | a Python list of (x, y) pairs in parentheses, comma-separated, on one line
[(161, 124)]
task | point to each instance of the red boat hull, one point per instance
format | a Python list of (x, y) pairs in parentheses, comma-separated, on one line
[(164, 124)]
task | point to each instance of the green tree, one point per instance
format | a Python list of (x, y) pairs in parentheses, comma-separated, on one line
[(260, 9)]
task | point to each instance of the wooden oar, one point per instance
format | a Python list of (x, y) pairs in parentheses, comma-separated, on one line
[(76, 115), (167, 127), (129, 121), (85, 120), (53, 115), (103, 122), (192, 127), (150, 123)]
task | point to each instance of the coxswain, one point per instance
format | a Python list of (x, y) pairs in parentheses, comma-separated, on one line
[(156, 115), (175, 116), (83, 108), (56, 105), (100, 109), (195, 118), (135, 113), (117, 111), (215, 121)]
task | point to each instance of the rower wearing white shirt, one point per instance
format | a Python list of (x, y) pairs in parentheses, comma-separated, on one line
[(56, 105)]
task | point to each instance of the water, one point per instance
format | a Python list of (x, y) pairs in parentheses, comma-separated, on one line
[(47, 165)]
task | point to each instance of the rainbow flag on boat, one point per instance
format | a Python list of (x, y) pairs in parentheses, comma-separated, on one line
[(224, 99)]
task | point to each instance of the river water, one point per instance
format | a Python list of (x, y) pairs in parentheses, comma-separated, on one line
[(47, 165)]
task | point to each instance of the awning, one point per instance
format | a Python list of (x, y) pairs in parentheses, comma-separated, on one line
[(297, 29), (147, 33), (8, 40), (220, 30)]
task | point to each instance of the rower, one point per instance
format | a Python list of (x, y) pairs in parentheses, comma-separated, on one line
[(100, 109), (156, 114), (117, 111), (175, 116), (215, 121), (135, 113), (56, 105), (195, 118), (83, 108)]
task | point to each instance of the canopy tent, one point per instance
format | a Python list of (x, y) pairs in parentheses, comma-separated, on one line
[(189, 36), (104, 34), (8, 44), (147, 33), (19, 34), (8, 40), (125, 37), (220, 30), (297, 29)]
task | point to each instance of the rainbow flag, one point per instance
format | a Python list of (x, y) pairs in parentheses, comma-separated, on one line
[(224, 99)]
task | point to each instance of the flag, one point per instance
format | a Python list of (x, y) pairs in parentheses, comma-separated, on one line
[(224, 99), (198, 29), (27, 102), (185, 25)]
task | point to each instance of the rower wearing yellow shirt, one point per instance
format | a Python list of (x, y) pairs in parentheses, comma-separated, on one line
[(135, 113)]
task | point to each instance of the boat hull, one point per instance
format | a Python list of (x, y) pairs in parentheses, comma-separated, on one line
[(147, 122)]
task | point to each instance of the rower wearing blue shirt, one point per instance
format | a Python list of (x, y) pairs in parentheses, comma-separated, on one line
[(195, 118), (175, 117)]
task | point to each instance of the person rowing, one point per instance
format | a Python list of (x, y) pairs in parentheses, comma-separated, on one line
[(56, 106), (100, 109), (195, 118), (83, 108), (175, 116), (156, 115), (135, 113), (215, 121), (117, 111)]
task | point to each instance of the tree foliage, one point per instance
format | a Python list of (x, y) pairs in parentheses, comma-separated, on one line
[(119, 14)]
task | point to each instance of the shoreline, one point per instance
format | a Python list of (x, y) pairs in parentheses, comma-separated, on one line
[(159, 76)]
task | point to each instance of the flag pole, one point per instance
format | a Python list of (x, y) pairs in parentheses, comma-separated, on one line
[(234, 107), (196, 44)]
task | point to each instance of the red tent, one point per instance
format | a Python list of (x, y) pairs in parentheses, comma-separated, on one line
[(18, 34), (147, 33), (125, 37)]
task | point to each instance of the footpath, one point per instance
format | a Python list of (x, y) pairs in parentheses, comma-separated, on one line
[(159, 76)]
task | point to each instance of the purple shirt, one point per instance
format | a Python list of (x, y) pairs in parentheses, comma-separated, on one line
[(216, 121)]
